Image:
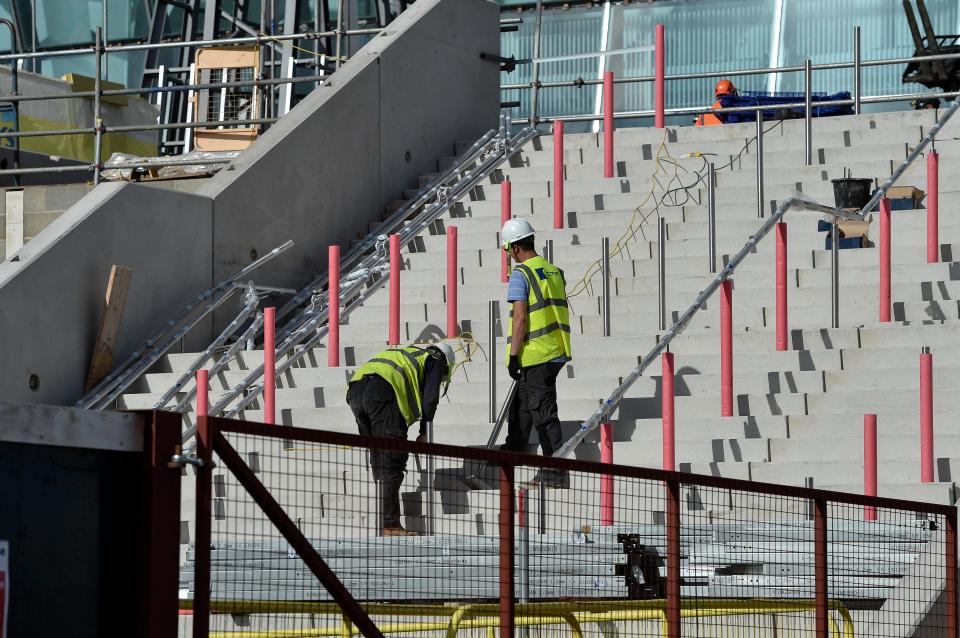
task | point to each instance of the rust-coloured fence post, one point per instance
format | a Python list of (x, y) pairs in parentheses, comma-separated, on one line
[(507, 605), (885, 260), (201, 568), (161, 542), (820, 567), (950, 564), (673, 557), (608, 125), (333, 306), (394, 329), (726, 348), (783, 335), (558, 175), (452, 275), (933, 207)]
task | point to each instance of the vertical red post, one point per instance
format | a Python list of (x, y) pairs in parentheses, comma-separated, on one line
[(884, 259), (659, 83), (820, 568), (201, 563), (558, 176), (608, 124), (726, 348), (203, 392), (782, 331), (933, 207), (394, 330), (950, 565), (507, 556), (870, 463), (333, 307), (606, 480), (269, 365), (926, 417), (506, 205), (667, 398), (452, 272), (673, 558)]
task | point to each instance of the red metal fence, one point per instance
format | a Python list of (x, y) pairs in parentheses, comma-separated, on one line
[(287, 543)]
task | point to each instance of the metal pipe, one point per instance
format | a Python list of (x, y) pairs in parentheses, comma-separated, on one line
[(333, 306), (523, 555), (878, 99), (933, 207), (761, 196), (339, 32), (269, 365), (492, 359), (834, 275), (605, 260), (884, 252), (428, 486), (662, 272), (856, 70), (726, 348), (580, 82), (14, 90), (926, 416), (808, 113), (711, 218), (870, 463), (534, 95), (97, 106)]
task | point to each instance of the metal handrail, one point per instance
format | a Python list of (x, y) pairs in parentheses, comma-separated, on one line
[(309, 327), (520, 86), (159, 343), (792, 203)]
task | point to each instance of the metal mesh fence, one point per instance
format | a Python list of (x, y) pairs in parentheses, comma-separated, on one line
[(532, 547)]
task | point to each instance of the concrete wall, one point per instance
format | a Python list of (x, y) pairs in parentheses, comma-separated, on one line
[(51, 300), (416, 88), (318, 177)]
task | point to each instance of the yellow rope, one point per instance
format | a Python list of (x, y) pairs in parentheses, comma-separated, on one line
[(342, 58)]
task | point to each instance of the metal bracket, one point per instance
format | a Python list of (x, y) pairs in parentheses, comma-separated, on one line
[(180, 460)]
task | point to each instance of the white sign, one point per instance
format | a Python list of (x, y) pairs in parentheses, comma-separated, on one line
[(4, 586)]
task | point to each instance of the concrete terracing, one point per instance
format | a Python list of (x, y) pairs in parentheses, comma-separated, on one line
[(787, 404)]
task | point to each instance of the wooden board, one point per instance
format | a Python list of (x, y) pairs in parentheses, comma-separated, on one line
[(113, 304)]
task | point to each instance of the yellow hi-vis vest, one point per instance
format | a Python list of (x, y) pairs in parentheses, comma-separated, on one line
[(548, 318), (403, 369)]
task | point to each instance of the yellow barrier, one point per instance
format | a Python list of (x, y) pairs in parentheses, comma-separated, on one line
[(486, 615)]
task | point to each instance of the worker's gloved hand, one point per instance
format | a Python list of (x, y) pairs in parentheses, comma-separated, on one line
[(513, 367), (422, 438)]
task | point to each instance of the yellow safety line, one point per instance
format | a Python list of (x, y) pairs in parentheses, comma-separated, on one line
[(573, 613)]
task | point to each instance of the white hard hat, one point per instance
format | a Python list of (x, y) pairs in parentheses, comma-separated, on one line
[(447, 352), (514, 230)]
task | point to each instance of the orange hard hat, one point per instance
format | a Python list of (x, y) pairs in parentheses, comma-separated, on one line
[(724, 87)]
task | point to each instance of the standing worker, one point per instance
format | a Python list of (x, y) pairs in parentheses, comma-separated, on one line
[(723, 87), (538, 347), (386, 395)]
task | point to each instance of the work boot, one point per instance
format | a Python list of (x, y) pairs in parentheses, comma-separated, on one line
[(399, 530)]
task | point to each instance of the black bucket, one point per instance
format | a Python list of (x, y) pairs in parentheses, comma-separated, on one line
[(852, 192)]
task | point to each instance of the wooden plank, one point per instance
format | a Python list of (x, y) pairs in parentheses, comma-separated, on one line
[(114, 302)]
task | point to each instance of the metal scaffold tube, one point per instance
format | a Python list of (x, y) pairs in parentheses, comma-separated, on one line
[(97, 106)]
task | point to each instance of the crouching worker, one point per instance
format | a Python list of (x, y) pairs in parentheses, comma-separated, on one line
[(538, 345), (387, 395)]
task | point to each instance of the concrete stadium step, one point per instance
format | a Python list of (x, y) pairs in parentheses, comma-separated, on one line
[(898, 358), (902, 470), (889, 423), (850, 448)]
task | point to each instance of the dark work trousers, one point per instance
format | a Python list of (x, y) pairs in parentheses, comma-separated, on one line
[(536, 406), (374, 405)]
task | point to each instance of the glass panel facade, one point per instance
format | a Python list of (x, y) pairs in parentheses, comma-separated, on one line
[(716, 35)]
